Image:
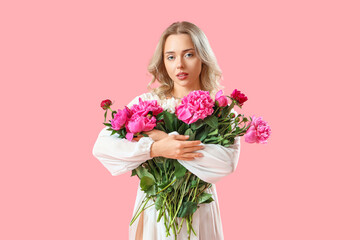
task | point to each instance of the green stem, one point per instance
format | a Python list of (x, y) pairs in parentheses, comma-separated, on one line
[(180, 202), (197, 184), (149, 206), (182, 221), (165, 223), (133, 220), (166, 187), (192, 229), (174, 231), (139, 208), (188, 227)]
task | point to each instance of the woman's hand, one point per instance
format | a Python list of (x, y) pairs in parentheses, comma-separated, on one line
[(154, 134), (176, 147)]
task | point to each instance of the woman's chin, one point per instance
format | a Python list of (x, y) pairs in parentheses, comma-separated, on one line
[(185, 83)]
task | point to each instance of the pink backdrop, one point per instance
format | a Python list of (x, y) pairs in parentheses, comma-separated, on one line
[(297, 61)]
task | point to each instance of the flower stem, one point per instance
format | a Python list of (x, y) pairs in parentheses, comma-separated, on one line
[(166, 187), (181, 198), (132, 221)]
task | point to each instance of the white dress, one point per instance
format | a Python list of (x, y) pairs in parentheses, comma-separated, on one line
[(120, 155)]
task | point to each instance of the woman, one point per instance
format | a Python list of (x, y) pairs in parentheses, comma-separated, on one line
[(183, 61)]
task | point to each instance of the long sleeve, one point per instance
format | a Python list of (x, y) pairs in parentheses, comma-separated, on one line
[(217, 161), (120, 155)]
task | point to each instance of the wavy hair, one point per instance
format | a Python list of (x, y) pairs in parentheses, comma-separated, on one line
[(210, 74)]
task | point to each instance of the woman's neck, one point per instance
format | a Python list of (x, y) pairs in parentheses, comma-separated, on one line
[(182, 92)]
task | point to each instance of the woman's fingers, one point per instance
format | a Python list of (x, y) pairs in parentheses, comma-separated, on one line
[(181, 137), (191, 143), (193, 149), (189, 156), (186, 159), (186, 143)]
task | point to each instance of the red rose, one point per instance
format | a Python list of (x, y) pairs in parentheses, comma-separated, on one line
[(239, 97), (105, 104)]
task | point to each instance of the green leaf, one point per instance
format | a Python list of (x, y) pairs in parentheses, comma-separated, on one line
[(209, 200), (204, 197), (160, 126), (180, 170), (203, 134), (198, 124), (154, 170), (187, 209), (169, 120), (176, 123), (183, 128), (151, 190), (211, 139), (146, 182), (133, 172), (159, 202), (108, 124), (163, 184), (178, 183), (160, 116), (193, 184), (215, 132), (142, 172), (190, 133), (225, 142), (212, 121)]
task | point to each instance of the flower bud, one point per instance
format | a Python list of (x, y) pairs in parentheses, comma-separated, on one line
[(239, 97), (105, 104), (232, 115)]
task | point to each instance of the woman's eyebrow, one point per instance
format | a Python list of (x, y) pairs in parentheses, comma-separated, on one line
[(182, 50)]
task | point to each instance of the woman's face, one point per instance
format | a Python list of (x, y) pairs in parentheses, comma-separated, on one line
[(180, 56)]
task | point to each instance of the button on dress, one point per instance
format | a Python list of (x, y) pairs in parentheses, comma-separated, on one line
[(120, 155)]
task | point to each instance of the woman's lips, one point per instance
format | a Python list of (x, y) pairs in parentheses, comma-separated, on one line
[(182, 76)]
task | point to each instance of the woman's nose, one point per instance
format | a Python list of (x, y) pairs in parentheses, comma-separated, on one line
[(180, 63)]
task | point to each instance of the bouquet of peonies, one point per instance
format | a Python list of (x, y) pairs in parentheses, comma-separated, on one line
[(176, 192)]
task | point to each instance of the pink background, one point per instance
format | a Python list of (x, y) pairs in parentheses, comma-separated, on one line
[(297, 61)]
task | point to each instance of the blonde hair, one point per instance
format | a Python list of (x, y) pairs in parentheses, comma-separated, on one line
[(210, 74)]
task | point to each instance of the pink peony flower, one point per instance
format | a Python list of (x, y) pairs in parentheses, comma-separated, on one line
[(139, 124), (144, 107), (129, 136), (105, 104), (121, 118), (258, 132), (239, 97), (196, 105), (221, 99)]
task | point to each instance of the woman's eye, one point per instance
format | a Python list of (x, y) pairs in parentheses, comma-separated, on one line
[(169, 57), (189, 54)]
